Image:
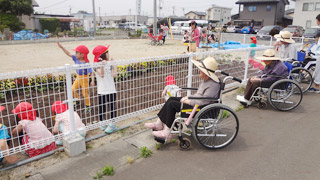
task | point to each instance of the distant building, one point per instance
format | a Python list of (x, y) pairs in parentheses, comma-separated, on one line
[(29, 20), (305, 13), (261, 12), (86, 20), (114, 20), (65, 21), (219, 14), (195, 15)]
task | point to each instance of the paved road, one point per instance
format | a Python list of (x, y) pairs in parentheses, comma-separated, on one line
[(270, 145)]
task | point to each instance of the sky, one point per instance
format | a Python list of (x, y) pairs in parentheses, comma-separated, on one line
[(127, 7)]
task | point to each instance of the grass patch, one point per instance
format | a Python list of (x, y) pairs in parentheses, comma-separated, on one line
[(240, 90), (225, 114), (98, 175), (158, 146), (108, 170), (145, 152), (240, 108), (130, 159), (173, 141), (89, 146), (123, 131)]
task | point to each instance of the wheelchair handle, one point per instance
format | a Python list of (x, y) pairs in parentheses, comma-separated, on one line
[(233, 78), (237, 79)]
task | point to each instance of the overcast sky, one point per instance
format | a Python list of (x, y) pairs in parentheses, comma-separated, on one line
[(125, 7)]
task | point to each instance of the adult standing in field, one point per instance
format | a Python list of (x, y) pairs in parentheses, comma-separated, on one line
[(82, 80), (195, 37), (165, 29)]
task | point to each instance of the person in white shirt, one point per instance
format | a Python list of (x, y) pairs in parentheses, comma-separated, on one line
[(106, 86), (316, 51), (165, 29), (287, 47)]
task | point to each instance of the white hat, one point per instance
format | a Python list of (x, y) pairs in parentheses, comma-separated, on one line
[(268, 54), (285, 36), (208, 66)]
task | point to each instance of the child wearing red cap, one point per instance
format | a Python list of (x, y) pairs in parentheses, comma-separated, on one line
[(34, 130), (62, 124), (3, 143), (82, 79), (106, 86), (171, 89)]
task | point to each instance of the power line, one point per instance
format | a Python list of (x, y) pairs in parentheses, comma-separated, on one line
[(53, 5)]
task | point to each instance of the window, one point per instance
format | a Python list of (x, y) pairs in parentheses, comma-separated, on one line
[(317, 6), (308, 7), (268, 8), (308, 24), (252, 8)]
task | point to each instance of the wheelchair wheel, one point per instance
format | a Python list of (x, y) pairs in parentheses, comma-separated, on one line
[(215, 126), (285, 95), (303, 77), (185, 144)]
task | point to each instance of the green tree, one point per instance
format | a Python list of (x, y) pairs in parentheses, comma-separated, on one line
[(51, 24), (16, 7), (10, 21)]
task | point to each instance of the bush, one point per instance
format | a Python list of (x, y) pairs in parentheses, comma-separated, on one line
[(10, 21), (51, 24)]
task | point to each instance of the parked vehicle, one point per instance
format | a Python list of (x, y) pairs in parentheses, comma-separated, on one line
[(177, 26), (310, 34), (233, 29), (246, 30), (264, 32), (298, 27), (123, 26), (294, 31), (256, 29)]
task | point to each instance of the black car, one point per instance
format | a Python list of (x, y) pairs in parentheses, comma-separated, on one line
[(264, 32), (310, 34)]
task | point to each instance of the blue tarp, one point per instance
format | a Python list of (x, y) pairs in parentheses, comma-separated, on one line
[(226, 45), (28, 35)]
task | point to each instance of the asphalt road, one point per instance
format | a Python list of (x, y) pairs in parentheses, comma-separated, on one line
[(270, 145)]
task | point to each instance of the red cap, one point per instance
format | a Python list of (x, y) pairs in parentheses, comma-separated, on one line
[(84, 50), (254, 39), (98, 50), (25, 111), (59, 107), (170, 80), (2, 108)]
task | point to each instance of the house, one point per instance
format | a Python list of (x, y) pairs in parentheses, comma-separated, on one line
[(114, 20), (29, 20), (195, 15), (306, 12), (219, 14), (65, 21), (261, 12)]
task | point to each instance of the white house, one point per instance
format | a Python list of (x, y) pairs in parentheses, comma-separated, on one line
[(195, 15), (219, 13), (305, 13)]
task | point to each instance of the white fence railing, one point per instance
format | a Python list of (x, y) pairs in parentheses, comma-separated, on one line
[(139, 83)]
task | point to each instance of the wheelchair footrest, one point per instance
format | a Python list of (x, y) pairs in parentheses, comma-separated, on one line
[(159, 140)]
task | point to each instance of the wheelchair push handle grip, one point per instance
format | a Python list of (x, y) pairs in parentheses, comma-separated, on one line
[(224, 73), (237, 79)]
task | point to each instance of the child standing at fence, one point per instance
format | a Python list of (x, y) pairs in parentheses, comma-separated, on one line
[(3, 142), (171, 89), (62, 118), (83, 75), (252, 62), (34, 130), (106, 86)]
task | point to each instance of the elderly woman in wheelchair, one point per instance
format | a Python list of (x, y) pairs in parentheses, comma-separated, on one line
[(204, 125), (273, 85)]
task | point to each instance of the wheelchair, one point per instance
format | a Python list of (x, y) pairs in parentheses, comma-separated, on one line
[(301, 71), (284, 94), (214, 126)]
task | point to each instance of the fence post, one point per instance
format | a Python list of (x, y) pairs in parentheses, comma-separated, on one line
[(190, 65), (244, 38), (70, 98), (245, 77)]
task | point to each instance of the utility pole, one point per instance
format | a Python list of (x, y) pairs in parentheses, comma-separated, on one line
[(94, 19), (154, 17), (173, 8), (99, 17)]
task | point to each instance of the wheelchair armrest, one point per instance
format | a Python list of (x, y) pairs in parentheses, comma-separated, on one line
[(204, 98), (272, 75), (186, 88)]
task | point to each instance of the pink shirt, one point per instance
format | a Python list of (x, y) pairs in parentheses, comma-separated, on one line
[(36, 131), (195, 36), (64, 118)]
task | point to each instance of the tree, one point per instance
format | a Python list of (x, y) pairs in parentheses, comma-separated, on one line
[(16, 7), (10, 21), (51, 24)]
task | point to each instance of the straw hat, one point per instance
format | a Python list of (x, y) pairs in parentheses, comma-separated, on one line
[(268, 54), (284, 36), (208, 66)]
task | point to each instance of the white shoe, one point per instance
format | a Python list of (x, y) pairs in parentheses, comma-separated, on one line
[(243, 100)]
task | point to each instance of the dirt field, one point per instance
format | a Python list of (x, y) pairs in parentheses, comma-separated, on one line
[(29, 56)]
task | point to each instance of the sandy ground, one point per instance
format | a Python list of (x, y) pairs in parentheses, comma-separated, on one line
[(29, 56)]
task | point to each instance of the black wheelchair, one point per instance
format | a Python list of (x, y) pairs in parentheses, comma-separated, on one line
[(284, 94), (214, 125)]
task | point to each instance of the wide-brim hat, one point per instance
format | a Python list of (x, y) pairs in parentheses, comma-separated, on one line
[(268, 55), (192, 22), (285, 36), (208, 66)]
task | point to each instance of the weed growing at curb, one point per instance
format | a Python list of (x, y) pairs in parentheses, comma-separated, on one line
[(145, 152), (240, 90), (172, 140), (98, 175), (108, 170), (89, 146), (158, 146), (130, 159), (240, 108)]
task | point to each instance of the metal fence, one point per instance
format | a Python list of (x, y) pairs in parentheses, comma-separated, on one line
[(139, 84)]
